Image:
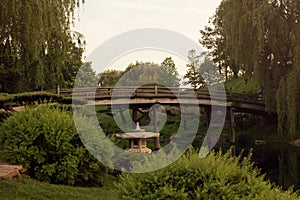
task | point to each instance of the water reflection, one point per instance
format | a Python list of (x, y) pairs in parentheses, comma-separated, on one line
[(288, 166), (280, 163)]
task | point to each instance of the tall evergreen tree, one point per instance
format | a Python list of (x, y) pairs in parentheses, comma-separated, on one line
[(35, 41), (193, 73)]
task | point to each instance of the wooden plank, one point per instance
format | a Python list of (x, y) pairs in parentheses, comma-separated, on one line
[(10, 171)]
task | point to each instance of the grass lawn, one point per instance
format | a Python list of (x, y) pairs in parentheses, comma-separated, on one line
[(240, 86), (26, 188)]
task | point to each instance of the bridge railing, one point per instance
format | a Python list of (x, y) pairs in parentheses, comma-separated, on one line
[(155, 91)]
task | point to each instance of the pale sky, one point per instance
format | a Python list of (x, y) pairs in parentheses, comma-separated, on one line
[(100, 20)]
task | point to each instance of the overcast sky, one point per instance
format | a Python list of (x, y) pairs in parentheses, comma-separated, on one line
[(100, 20)]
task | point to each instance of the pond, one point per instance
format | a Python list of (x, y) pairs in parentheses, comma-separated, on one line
[(278, 161)]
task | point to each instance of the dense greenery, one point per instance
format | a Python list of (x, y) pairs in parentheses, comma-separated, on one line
[(260, 38), (110, 77), (86, 76), (140, 73), (37, 49), (30, 98), (45, 141), (216, 176), (240, 86)]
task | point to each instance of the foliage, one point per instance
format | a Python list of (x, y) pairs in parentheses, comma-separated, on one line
[(73, 63), (37, 48), (109, 77), (209, 71), (262, 38), (168, 73), (4, 115), (26, 188), (141, 73), (241, 86), (216, 176), (86, 76), (45, 141), (193, 74), (214, 39), (28, 98)]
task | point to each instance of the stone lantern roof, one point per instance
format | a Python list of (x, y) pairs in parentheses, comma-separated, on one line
[(137, 133), (137, 139)]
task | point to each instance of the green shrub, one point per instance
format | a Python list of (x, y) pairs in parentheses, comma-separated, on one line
[(27, 98), (31, 97), (4, 115), (215, 177), (45, 141)]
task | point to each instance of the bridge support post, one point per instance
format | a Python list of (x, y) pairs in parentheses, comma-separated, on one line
[(122, 116), (156, 118), (207, 123), (134, 116), (232, 126), (57, 90), (207, 116)]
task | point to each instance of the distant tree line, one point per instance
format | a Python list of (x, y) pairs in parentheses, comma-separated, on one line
[(200, 73), (140, 73)]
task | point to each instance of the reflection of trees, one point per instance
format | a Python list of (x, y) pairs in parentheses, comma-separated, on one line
[(288, 169)]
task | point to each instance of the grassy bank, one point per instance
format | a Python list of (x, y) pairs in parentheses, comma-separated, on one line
[(240, 86), (26, 188)]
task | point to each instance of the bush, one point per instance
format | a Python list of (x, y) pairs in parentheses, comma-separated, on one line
[(215, 177), (4, 114), (27, 98), (45, 141), (31, 97)]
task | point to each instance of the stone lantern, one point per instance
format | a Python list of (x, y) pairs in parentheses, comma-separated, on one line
[(138, 139)]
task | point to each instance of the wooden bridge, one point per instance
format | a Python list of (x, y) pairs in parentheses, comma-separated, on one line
[(146, 96), (167, 96)]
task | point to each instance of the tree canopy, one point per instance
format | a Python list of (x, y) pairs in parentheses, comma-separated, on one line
[(110, 77), (261, 38), (36, 44), (86, 76), (142, 72)]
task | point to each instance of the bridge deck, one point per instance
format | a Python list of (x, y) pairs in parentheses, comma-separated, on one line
[(167, 96)]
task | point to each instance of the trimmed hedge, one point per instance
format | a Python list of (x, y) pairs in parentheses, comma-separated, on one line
[(46, 142), (27, 98), (215, 177), (30, 98)]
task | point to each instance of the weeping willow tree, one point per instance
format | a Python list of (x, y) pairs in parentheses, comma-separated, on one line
[(36, 44), (215, 39), (263, 38)]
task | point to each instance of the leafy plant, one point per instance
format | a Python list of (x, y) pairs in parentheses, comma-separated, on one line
[(46, 142), (216, 176)]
